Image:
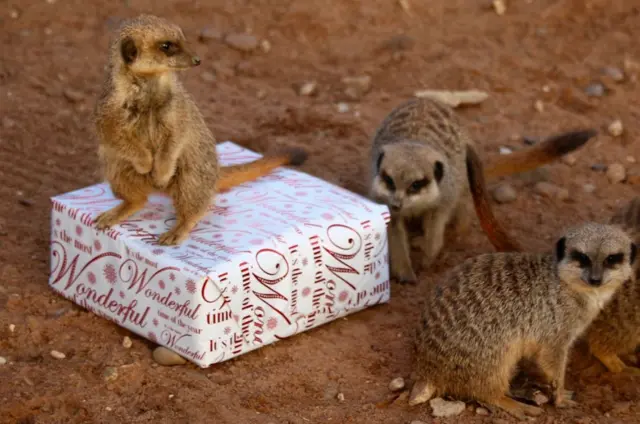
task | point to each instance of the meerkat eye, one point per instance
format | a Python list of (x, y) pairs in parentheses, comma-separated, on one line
[(169, 48), (581, 258), (613, 260), (388, 181), (417, 185)]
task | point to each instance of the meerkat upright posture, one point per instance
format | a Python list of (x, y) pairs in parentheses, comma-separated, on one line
[(616, 331), (152, 135), (421, 162), (496, 309)]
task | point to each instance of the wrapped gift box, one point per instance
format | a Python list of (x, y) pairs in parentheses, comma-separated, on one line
[(272, 258)]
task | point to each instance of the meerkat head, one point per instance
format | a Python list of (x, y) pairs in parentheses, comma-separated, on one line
[(407, 177), (149, 45), (595, 257)]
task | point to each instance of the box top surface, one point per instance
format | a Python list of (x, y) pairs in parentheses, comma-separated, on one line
[(258, 215)]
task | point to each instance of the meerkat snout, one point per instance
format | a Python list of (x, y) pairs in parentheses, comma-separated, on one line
[(600, 263)]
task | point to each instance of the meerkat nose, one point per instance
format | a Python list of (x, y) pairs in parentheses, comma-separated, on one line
[(195, 60), (595, 281)]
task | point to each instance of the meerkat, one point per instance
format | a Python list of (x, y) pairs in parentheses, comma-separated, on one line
[(496, 309), (422, 159), (616, 331), (152, 136)]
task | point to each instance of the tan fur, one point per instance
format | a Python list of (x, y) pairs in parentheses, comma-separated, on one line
[(422, 146), (616, 331), (495, 309), (152, 135)]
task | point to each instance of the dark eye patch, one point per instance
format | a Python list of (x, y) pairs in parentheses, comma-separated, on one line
[(418, 185), (613, 260), (581, 258), (169, 48), (388, 180)]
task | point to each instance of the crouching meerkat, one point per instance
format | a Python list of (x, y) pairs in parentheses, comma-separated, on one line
[(152, 136), (616, 331), (495, 309), (422, 165)]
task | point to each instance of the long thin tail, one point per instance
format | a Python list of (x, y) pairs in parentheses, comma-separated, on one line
[(496, 234), (231, 176), (541, 154)]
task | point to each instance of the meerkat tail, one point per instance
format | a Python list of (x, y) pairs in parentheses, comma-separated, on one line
[(231, 176), (496, 234), (540, 154)]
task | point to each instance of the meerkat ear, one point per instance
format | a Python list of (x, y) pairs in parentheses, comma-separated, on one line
[(438, 170), (560, 248), (634, 252), (128, 50), (380, 157)]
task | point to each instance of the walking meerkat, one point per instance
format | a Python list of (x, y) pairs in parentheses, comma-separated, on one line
[(616, 331), (152, 136), (418, 158), (495, 309)]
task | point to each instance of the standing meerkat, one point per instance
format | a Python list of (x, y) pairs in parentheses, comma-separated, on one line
[(424, 167), (495, 309), (616, 331), (152, 135)]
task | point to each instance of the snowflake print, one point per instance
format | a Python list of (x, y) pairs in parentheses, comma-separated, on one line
[(227, 330), (172, 277), (272, 323), (177, 291), (122, 295), (153, 226), (377, 275), (342, 297), (97, 245), (377, 236), (152, 336), (155, 322), (306, 292), (78, 230), (161, 284), (191, 286), (58, 222), (236, 317), (157, 251), (92, 277), (234, 289), (305, 262), (110, 273)]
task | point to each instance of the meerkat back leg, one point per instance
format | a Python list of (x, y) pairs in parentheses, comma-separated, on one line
[(517, 409), (553, 363), (134, 194), (399, 252), (613, 363), (190, 203), (433, 225)]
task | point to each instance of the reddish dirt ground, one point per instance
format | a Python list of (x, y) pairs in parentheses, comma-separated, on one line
[(51, 67)]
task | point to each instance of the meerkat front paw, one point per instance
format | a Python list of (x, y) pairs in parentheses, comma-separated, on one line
[(144, 164), (564, 399), (161, 175), (404, 276), (107, 219), (173, 237)]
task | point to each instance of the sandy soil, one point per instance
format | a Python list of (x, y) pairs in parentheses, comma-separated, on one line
[(51, 67)]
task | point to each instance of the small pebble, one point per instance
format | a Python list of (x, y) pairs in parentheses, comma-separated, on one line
[(127, 343), (482, 411), (599, 167), (110, 374), (166, 357), (108, 409), (12, 327), (242, 42), (504, 193), (616, 128), (74, 96), (569, 159), (551, 191), (630, 159), (539, 106), (614, 73), (265, 45), (308, 88), (589, 188), (14, 14), (396, 384), (540, 398), (3, 360), (505, 151), (340, 397), (444, 408), (356, 87), (616, 173), (500, 7), (58, 355), (207, 76), (343, 107), (418, 422), (595, 90)]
